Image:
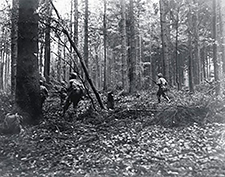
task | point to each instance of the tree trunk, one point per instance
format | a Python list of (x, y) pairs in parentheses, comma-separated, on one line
[(86, 34), (124, 47), (222, 15), (59, 62), (215, 59), (98, 76), (2, 69), (27, 83), (105, 47), (176, 53), (75, 27), (190, 57), (41, 57), (164, 38), (47, 44), (14, 37), (196, 58), (131, 50)]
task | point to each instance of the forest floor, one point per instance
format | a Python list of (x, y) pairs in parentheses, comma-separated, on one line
[(138, 138)]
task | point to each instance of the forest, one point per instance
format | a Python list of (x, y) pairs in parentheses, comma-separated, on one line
[(149, 93)]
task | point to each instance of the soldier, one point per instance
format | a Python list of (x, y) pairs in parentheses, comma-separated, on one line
[(62, 92), (110, 100), (74, 92), (162, 83), (44, 92)]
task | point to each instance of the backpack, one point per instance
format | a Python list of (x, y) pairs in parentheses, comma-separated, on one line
[(75, 87), (163, 85)]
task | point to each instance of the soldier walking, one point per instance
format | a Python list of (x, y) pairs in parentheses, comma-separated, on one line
[(162, 88), (75, 92), (44, 92)]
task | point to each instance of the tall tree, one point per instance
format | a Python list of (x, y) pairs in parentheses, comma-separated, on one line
[(14, 36), (47, 55), (124, 46), (75, 37), (86, 16), (215, 59), (131, 50), (164, 38), (190, 53), (105, 47), (222, 16), (27, 82), (196, 55)]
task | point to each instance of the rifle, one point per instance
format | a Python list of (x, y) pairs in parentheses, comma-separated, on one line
[(153, 80)]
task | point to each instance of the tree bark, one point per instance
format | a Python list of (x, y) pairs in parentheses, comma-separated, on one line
[(47, 55), (164, 38), (124, 46), (190, 57), (215, 59), (59, 62), (86, 16), (131, 50), (105, 47), (14, 37), (27, 83)]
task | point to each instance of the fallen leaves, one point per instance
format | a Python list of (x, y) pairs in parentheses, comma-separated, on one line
[(123, 142)]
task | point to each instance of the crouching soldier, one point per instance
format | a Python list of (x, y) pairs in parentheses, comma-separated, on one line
[(44, 92), (11, 124), (75, 91), (162, 84)]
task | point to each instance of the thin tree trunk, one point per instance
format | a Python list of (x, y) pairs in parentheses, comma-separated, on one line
[(2, 70), (59, 63), (215, 59), (47, 45), (105, 47), (131, 50), (76, 27), (176, 54), (190, 57), (97, 69), (196, 59), (14, 37), (86, 34), (124, 47)]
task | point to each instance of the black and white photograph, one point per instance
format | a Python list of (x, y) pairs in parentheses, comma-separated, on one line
[(112, 88)]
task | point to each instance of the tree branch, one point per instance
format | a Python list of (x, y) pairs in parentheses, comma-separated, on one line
[(80, 58)]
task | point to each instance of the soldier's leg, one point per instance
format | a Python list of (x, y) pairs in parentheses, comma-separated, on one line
[(158, 96), (66, 105), (165, 96)]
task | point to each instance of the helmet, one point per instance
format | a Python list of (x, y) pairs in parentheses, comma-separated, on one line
[(62, 83), (159, 75), (73, 75)]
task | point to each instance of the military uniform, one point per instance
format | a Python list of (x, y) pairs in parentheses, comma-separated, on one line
[(62, 93), (74, 92), (44, 92), (162, 83)]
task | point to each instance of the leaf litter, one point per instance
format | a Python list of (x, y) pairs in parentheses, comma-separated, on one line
[(135, 139)]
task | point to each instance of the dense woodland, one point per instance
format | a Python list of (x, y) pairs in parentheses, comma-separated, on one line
[(114, 46)]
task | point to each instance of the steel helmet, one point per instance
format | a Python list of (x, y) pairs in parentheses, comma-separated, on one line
[(160, 75), (73, 75)]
